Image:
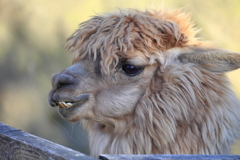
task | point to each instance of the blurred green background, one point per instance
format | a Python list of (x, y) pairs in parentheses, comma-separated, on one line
[(32, 40)]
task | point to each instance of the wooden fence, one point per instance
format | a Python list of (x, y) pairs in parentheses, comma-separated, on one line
[(18, 145)]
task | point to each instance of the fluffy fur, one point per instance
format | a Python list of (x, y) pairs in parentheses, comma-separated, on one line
[(130, 30), (186, 107)]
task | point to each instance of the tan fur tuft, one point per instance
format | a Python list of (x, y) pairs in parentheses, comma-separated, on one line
[(113, 35)]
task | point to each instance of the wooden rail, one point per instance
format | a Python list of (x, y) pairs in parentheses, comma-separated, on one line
[(18, 145), (169, 157)]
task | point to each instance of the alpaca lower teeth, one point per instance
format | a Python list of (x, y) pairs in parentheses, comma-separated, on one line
[(65, 105), (61, 104), (69, 104)]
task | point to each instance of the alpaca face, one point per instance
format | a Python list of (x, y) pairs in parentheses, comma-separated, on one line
[(83, 92)]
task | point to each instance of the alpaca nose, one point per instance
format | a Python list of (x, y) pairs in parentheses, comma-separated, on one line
[(67, 76)]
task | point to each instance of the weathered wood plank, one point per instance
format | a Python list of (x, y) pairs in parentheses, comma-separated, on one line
[(169, 157), (18, 145)]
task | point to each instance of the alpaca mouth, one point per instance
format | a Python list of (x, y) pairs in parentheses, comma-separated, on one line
[(77, 101), (69, 108)]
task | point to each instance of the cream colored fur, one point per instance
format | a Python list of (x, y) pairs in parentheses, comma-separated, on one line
[(178, 105)]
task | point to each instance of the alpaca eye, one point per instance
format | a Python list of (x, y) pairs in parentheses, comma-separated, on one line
[(131, 70)]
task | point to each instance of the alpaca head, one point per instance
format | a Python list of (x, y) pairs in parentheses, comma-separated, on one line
[(141, 68)]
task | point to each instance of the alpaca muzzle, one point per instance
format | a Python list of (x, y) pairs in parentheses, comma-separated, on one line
[(63, 93)]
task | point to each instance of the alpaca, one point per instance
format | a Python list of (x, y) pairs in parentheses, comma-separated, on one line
[(141, 82)]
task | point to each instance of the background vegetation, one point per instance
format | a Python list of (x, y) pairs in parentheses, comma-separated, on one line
[(32, 39)]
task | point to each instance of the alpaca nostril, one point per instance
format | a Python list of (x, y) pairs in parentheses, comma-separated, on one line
[(62, 80)]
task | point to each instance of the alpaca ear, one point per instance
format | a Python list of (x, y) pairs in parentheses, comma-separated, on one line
[(214, 60)]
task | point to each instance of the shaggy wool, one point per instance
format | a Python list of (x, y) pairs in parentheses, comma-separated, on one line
[(187, 107)]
